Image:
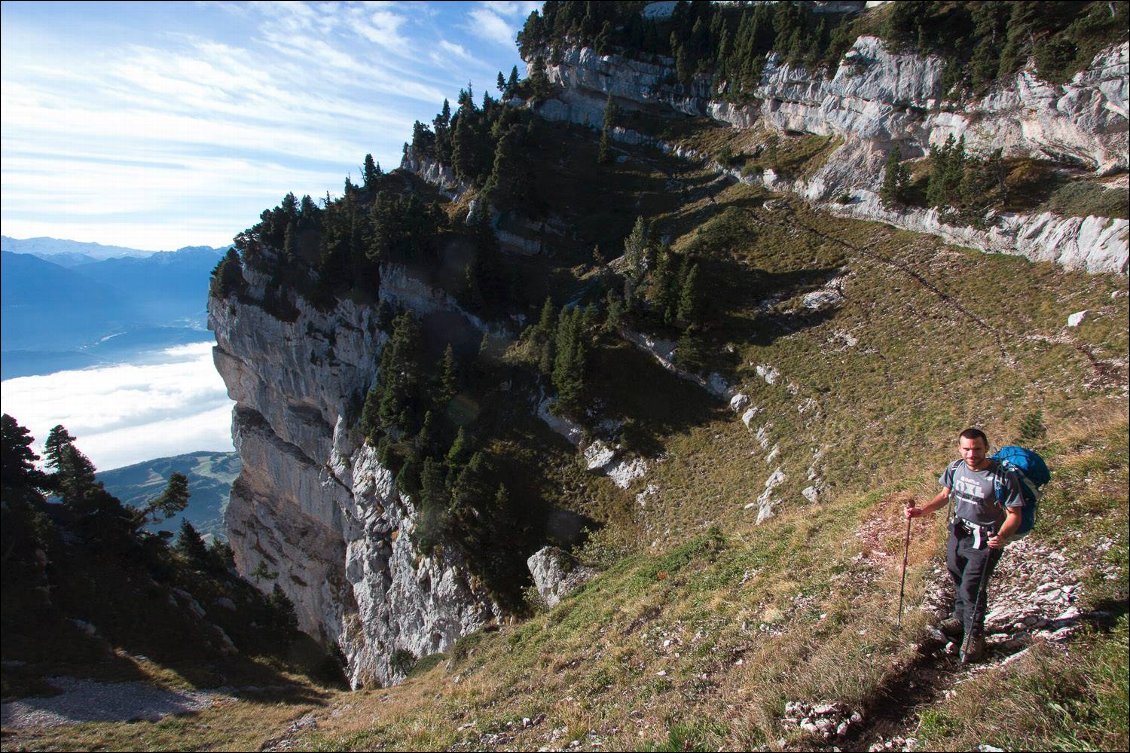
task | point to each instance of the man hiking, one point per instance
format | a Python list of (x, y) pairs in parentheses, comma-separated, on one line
[(987, 505)]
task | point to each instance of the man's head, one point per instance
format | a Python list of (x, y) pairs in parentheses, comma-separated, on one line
[(974, 446)]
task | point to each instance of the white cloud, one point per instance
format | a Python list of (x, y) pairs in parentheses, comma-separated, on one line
[(173, 404), (222, 108), (487, 24), (519, 10)]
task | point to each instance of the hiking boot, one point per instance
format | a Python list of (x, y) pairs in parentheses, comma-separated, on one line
[(973, 647), (951, 627)]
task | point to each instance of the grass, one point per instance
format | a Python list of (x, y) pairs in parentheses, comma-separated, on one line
[(1083, 199), (704, 624)]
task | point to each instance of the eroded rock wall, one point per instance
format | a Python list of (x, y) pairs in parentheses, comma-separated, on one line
[(877, 99), (313, 510)]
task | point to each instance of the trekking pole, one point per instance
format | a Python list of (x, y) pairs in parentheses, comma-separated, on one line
[(905, 557), (978, 609)]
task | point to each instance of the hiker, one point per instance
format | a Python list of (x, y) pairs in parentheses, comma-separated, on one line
[(987, 505)]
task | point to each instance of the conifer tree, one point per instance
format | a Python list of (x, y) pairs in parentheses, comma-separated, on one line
[(539, 80), (285, 615), (172, 500), (370, 173), (512, 82), (570, 360), (191, 546), (18, 459), (74, 475), (689, 351), (447, 383), (635, 249), (689, 310), (896, 178)]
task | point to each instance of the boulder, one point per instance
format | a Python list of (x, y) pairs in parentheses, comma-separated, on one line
[(557, 573)]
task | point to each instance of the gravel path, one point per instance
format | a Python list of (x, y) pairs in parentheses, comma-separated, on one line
[(93, 701)]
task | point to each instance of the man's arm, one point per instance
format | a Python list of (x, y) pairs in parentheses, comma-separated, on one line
[(1011, 523), (938, 501)]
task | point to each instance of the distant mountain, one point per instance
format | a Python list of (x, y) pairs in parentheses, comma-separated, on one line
[(210, 476), (97, 311), (47, 307), (66, 250)]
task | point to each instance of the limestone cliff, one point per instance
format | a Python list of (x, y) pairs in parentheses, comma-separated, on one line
[(876, 99), (313, 510)]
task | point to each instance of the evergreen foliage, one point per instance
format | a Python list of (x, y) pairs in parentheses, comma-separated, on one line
[(984, 41), (87, 560), (172, 500), (727, 43), (896, 180)]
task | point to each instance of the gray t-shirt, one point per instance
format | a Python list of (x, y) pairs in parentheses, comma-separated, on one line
[(974, 492)]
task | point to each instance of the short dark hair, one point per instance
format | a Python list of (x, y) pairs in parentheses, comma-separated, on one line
[(974, 433)]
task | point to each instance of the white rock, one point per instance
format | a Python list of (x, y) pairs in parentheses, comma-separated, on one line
[(598, 455), (1076, 319), (739, 402), (768, 373), (557, 573)]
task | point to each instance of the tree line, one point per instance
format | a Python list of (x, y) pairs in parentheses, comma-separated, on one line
[(728, 42), (64, 534)]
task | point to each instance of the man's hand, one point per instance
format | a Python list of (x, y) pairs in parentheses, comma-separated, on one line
[(911, 510)]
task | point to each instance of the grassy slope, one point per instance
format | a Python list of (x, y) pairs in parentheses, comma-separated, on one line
[(704, 624)]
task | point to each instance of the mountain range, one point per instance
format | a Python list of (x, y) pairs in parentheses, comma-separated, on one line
[(210, 476), (64, 308)]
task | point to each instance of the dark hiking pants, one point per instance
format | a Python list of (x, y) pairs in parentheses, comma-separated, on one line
[(971, 568)]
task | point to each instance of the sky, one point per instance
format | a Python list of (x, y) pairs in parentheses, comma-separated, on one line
[(169, 124), (168, 404)]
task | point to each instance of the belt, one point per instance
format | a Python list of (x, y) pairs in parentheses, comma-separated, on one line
[(980, 533), (971, 527)]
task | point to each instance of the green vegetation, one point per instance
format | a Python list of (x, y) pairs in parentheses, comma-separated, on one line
[(701, 613), (88, 592), (726, 44), (987, 40)]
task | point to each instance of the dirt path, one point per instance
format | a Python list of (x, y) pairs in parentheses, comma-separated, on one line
[(82, 700)]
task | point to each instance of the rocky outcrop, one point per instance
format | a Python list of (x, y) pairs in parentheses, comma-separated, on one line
[(557, 573), (877, 99), (313, 511)]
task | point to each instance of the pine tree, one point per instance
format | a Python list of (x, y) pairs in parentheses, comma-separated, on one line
[(512, 82), (689, 309), (57, 440), (895, 180), (74, 478), (635, 250), (286, 617), (172, 500), (370, 173), (570, 361), (544, 336), (689, 351), (447, 383), (539, 80), (18, 459), (501, 83), (191, 546)]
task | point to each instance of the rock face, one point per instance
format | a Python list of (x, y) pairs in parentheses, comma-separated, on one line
[(557, 574), (877, 99), (312, 505)]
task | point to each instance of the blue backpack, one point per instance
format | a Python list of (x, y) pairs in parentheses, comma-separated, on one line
[(1032, 472)]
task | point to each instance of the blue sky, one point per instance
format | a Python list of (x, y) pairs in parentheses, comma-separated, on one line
[(162, 125)]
